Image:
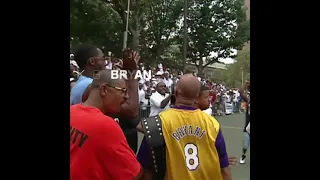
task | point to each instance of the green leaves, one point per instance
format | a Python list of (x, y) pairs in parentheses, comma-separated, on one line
[(161, 18), (94, 21), (215, 26), (156, 28)]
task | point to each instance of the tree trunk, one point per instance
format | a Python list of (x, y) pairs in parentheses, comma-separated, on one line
[(136, 34), (158, 55), (135, 40), (200, 71), (200, 68)]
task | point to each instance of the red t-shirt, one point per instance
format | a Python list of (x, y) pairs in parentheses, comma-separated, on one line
[(98, 147)]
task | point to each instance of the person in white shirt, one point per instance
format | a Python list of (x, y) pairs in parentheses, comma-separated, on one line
[(167, 81), (159, 101), (141, 94), (235, 100), (142, 81), (178, 78), (154, 81), (142, 101), (228, 103), (160, 67), (228, 98), (159, 76), (208, 110)]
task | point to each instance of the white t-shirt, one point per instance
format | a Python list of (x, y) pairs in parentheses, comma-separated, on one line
[(228, 98), (141, 94), (155, 102), (142, 81), (160, 67), (168, 82), (209, 110), (248, 128), (235, 96)]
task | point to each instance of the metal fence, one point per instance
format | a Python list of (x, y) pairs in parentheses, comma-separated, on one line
[(236, 107), (144, 111)]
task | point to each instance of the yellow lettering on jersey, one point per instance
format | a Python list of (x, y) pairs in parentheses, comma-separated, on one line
[(188, 130)]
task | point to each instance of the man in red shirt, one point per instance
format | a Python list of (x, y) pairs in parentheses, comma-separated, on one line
[(98, 147)]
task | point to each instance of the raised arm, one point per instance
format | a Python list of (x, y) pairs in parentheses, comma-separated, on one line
[(131, 106), (159, 101)]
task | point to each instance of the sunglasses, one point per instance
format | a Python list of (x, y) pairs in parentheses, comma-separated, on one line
[(118, 88), (114, 87)]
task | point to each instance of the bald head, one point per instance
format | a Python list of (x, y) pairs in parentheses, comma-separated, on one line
[(103, 76), (188, 87)]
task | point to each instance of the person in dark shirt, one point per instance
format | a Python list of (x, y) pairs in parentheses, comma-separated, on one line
[(130, 131)]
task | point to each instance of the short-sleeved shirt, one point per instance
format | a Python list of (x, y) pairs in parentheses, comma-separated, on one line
[(98, 147), (155, 102), (78, 89)]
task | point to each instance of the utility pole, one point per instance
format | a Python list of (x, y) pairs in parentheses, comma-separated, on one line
[(241, 75), (185, 33), (125, 34)]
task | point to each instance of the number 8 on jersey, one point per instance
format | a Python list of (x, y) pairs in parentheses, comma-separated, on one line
[(191, 154)]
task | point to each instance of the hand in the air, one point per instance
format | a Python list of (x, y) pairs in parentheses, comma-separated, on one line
[(130, 59), (233, 161)]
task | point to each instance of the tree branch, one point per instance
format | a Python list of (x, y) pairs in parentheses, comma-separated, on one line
[(211, 61)]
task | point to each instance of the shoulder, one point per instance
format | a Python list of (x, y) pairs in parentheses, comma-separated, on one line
[(84, 80), (155, 95), (81, 84), (97, 123), (106, 125), (152, 95), (208, 111), (167, 112), (211, 120)]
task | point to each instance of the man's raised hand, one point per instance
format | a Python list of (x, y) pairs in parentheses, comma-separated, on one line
[(131, 59)]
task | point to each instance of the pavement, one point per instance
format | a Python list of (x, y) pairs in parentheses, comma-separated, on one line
[(232, 129)]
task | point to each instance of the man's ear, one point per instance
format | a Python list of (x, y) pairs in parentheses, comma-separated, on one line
[(103, 91), (91, 61), (197, 99)]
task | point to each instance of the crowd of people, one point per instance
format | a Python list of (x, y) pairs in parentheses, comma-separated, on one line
[(106, 113), (223, 100)]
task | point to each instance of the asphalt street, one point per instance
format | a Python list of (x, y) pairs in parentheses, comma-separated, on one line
[(232, 129)]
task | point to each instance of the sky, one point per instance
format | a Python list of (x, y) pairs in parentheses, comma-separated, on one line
[(227, 60)]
